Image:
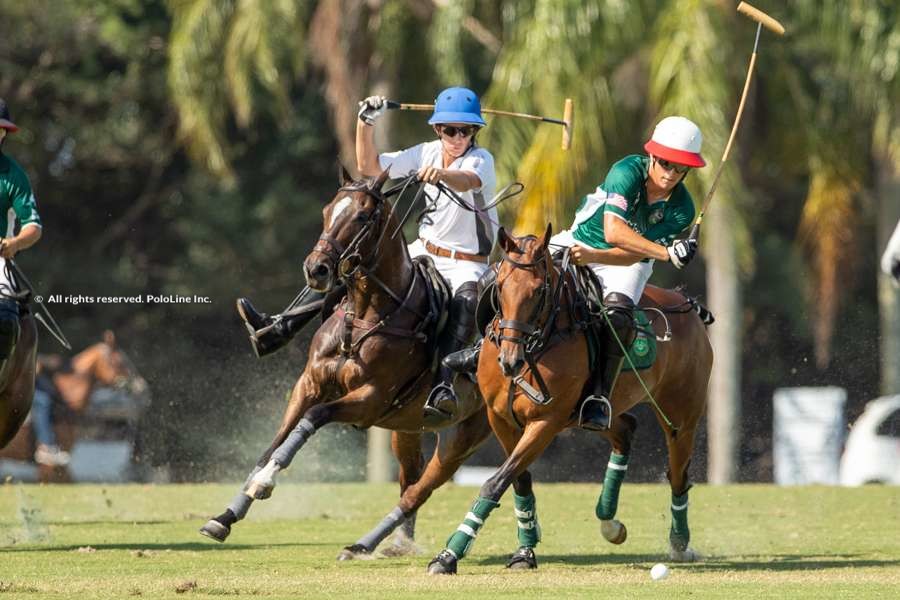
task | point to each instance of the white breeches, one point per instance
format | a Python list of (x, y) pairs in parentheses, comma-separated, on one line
[(456, 272), (629, 280)]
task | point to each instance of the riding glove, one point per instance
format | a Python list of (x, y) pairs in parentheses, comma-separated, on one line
[(681, 252), (371, 108)]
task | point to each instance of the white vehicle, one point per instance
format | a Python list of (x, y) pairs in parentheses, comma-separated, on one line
[(872, 452)]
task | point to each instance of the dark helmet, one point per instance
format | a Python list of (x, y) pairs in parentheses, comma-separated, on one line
[(5, 120)]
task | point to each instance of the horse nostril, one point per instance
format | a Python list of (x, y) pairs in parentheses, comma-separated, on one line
[(320, 271)]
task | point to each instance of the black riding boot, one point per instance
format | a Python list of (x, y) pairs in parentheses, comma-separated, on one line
[(271, 333), (442, 405), (9, 329), (596, 411)]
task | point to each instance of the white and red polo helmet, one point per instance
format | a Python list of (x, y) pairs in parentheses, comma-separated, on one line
[(677, 140)]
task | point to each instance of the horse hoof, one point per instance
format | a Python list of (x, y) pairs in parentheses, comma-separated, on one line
[(687, 555), (443, 564), (215, 530), (523, 558), (354, 552), (613, 531)]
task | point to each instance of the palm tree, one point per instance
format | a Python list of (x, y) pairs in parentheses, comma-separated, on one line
[(228, 60)]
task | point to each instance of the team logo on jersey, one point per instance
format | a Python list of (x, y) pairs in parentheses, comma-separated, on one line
[(656, 216)]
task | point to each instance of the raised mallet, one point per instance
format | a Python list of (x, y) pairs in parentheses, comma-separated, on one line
[(566, 121), (762, 20)]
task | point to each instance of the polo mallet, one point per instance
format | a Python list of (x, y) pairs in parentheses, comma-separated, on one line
[(566, 121), (762, 20)]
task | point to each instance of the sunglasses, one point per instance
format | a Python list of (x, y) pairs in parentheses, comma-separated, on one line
[(466, 131), (670, 166)]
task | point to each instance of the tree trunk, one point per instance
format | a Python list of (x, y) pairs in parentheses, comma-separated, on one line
[(723, 290), (888, 198)]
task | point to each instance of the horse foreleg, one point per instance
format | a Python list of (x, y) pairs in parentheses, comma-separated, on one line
[(535, 439), (620, 435), (350, 408), (455, 444)]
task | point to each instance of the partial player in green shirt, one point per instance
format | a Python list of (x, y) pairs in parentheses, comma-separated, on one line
[(18, 209), (628, 223)]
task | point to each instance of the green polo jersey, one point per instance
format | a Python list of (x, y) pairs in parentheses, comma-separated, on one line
[(15, 196), (624, 193)]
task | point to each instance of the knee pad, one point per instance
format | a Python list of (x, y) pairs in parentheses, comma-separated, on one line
[(620, 310), (487, 279), (467, 296)]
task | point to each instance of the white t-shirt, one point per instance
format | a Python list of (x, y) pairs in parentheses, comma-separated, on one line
[(449, 225)]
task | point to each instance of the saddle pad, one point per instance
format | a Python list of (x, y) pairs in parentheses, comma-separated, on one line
[(643, 351)]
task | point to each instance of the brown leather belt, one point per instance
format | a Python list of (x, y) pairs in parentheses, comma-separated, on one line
[(438, 251)]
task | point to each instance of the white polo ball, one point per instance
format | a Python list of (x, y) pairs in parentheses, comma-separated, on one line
[(659, 571)]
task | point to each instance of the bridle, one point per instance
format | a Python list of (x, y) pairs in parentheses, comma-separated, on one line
[(527, 333), (534, 335)]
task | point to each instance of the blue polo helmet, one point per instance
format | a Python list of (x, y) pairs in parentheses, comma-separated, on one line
[(457, 105)]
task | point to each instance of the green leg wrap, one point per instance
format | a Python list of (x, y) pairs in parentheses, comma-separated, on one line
[(526, 515), (680, 535), (608, 502), (461, 540)]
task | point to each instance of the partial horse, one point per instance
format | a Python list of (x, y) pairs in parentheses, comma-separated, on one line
[(70, 382), (369, 363), (17, 380), (533, 371)]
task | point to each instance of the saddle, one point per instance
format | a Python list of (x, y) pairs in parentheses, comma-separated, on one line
[(439, 297)]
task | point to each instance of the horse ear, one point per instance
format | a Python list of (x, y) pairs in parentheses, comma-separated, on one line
[(379, 183), (343, 175), (109, 338), (505, 241), (547, 235)]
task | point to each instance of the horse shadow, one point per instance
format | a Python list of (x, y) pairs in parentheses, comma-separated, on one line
[(713, 564), (158, 547)]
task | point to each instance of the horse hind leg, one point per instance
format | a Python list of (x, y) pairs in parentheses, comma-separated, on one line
[(407, 448), (621, 435), (455, 445), (680, 449)]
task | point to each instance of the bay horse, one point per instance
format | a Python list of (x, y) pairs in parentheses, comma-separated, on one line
[(72, 381), (536, 310), (368, 364)]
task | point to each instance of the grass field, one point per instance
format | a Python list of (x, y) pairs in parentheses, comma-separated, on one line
[(757, 541)]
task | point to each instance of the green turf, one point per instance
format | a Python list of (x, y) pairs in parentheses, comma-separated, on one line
[(758, 541)]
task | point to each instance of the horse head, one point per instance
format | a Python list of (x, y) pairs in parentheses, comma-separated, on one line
[(353, 222), (523, 289), (108, 365)]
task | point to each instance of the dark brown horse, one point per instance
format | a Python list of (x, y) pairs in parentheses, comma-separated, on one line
[(17, 381), (537, 312), (368, 363)]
